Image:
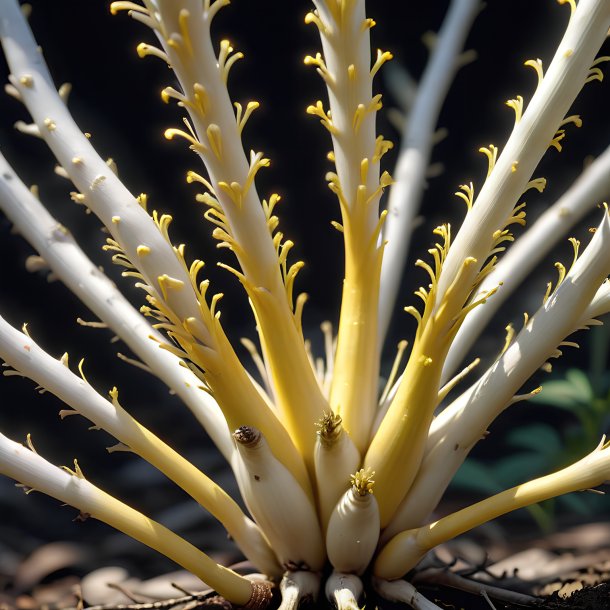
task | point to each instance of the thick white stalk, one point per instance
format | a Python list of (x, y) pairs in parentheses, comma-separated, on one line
[(71, 265), (283, 511), (600, 304), (529, 140), (463, 423), (344, 590), (353, 528), (102, 191), (146, 244), (299, 588), (416, 145), (406, 549), (591, 188), (35, 472), (404, 592), (335, 459), (346, 23), (561, 314), (20, 352), (183, 29), (357, 150)]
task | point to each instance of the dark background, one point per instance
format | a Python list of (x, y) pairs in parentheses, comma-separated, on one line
[(116, 98)]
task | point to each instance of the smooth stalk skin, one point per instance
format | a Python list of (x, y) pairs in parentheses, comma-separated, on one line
[(405, 550), (277, 503), (71, 265), (335, 459), (36, 473), (600, 305), (347, 72), (19, 351), (353, 392), (399, 443), (344, 590), (299, 588), (161, 266), (398, 446), (353, 528), (183, 29)]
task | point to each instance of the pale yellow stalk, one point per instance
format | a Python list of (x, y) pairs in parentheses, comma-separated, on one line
[(242, 403), (243, 223), (335, 459), (406, 549), (142, 244), (29, 360), (71, 487), (353, 528), (587, 191), (535, 130), (67, 261), (399, 444), (280, 507), (570, 306), (346, 70), (400, 441)]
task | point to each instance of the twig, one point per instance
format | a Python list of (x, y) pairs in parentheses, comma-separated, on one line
[(133, 597), (486, 597), (207, 598), (451, 579)]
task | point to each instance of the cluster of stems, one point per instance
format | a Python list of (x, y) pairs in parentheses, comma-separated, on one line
[(332, 471)]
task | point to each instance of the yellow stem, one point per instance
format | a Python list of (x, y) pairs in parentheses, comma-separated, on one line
[(243, 405), (296, 390), (397, 448), (227, 583), (406, 549), (200, 487), (71, 487), (356, 369)]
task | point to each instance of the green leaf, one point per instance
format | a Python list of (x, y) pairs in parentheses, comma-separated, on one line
[(544, 516), (560, 394), (519, 468), (581, 383), (577, 503), (539, 438), (473, 475)]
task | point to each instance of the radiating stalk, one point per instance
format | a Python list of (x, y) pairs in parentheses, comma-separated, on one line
[(281, 508), (242, 221), (406, 549), (71, 487), (347, 71), (28, 359)]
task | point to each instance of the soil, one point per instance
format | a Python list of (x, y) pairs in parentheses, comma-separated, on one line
[(576, 579), (588, 598), (570, 569)]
